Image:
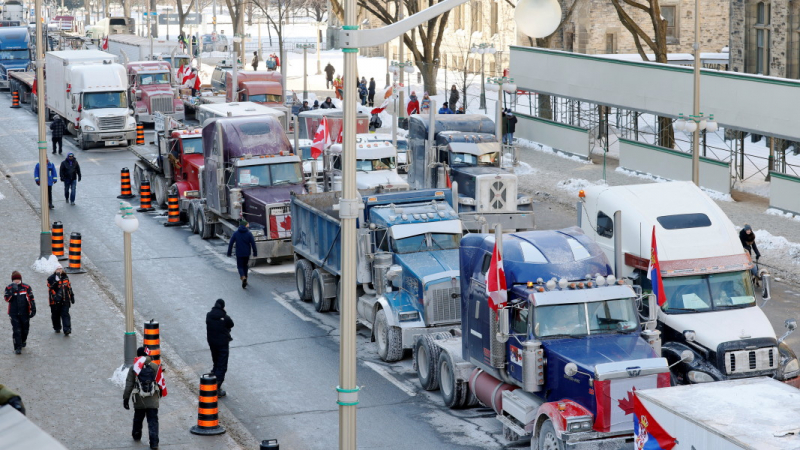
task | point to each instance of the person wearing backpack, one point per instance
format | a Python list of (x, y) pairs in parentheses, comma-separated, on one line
[(61, 298), (141, 383)]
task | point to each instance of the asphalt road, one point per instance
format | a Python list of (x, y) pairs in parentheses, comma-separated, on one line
[(284, 357)]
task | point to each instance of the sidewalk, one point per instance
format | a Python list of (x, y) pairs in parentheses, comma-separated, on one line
[(558, 179), (64, 382)]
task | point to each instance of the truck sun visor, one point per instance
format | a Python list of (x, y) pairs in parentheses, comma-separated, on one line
[(412, 229), (475, 149)]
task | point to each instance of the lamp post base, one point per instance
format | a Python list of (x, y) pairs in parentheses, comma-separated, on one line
[(45, 244), (130, 348)]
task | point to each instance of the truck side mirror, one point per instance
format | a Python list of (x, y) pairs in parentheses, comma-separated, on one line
[(652, 306), (766, 281), (571, 369), (502, 334), (790, 325)]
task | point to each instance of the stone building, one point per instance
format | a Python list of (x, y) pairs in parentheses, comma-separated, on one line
[(765, 37)]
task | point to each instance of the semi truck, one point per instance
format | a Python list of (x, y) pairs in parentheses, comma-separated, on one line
[(88, 89), (462, 150), (237, 109), (376, 167), (153, 89), (402, 147), (710, 307), (560, 359), (407, 262), (13, 10), (262, 87), (14, 52), (747, 414), (308, 122), (137, 48)]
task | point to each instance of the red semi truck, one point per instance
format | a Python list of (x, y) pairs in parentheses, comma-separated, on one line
[(153, 89), (258, 87)]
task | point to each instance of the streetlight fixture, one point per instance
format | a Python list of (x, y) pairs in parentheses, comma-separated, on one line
[(482, 49), (128, 223), (501, 85), (694, 125), (401, 68), (304, 49)]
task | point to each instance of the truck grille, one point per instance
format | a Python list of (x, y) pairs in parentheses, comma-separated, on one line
[(442, 303), (496, 194), (111, 123), (162, 103), (747, 361), (279, 223)]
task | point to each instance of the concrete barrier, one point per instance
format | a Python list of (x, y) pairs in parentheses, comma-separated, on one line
[(562, 137), (783, 191)]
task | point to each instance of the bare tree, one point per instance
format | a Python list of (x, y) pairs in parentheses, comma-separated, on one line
[(236, 11), (277, 12), (183, 14), (316, 9)]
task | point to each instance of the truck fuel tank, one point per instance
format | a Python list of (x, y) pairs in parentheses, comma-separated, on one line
[(488, 389)]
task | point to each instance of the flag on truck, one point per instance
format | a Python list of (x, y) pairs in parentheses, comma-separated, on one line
[(104, 45), (647, 433), (322, 138), (654, 272), (496, 281)]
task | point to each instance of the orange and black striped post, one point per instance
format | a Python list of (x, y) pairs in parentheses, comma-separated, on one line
[(152, 340), (145, 197), (58, 240), (74, 265), (140, 134), (15, 99), (125, 183), (173, 211), (207, 410)]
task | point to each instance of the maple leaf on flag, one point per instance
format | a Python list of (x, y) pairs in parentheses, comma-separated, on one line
[(287, 223), (322, 138), (626, 404)]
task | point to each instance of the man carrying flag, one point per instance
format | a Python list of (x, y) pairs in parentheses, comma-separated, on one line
[(654, 272), (322, 138), (496, 279), (146, 383)]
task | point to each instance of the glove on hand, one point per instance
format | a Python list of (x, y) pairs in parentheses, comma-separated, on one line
[(16, 403), (125, 404)]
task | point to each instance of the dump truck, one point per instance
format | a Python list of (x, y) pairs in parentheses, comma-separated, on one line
[(462, 151), (559, 360), (153, 89), (407, 262), (710, 307)]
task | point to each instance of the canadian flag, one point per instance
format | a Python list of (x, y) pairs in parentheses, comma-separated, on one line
[(183, 73), (280, 226), (104, 45), (340, 139), (322, 138), (161, 381), (496, 281)]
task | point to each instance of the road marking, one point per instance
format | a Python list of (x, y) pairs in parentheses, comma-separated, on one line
[(291, 308), (382, 371)]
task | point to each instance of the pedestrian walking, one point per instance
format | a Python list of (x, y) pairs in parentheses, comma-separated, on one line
[(244, 241), (218, 335), (413, 104), (329, 71), (425, 105), (254, 63), (511, 127), (142, 384), (61, 299), (52, 178), (21, 309), (371, 92), (454, 97), (57, 129), (70, 173)]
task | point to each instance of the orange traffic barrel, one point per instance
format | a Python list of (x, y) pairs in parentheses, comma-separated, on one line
[(15, 99), (57, 233), (152, 340), (139, 134), (173, 211), (125, 184), (74, 265), (145, 197), (207, 409)]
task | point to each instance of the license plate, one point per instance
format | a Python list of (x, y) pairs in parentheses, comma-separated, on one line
[(111, 143)]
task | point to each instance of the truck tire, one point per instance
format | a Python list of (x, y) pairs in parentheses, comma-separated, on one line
[(204, 229), (388, 339), (455, 392), (192, 213), (158, 187), (547, 438), (81, 143), (426, 359), (302, 277), (321, 304)]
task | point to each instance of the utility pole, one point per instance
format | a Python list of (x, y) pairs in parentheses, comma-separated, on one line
[(696, 134), (401, 108), (214, 16), (45, 240)]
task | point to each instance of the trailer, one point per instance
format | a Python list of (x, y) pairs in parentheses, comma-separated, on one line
[(23, 83)]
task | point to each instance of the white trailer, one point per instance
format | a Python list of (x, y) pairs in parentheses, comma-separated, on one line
[(136, 48), (753, 414)]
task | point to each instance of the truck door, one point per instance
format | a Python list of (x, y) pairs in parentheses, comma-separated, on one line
[(478, 311)]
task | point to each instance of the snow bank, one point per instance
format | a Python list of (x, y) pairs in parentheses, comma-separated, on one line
[(576, 184), (120, 376), (716, 195), (777, 246), (778, 212), (525, 143), (47, 265), (521, 168)]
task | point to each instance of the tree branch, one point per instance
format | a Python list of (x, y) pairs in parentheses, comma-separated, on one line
[(635, 30)]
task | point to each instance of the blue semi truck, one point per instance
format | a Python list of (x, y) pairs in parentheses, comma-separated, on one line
[(14, 52), (407, 262), (561, 360)]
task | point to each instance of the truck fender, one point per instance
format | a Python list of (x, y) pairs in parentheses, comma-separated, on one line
[(672, 351), (558, 416), (141, 106), (391, 319), (182, 187)]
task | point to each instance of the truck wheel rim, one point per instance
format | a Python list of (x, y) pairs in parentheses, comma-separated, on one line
[(550, 442), (447, 380), (299, 278), (422, 362), (315, 292), (379, 336)]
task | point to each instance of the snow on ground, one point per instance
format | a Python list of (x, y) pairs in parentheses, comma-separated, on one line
[(777, 245), (576, 184), (716, 195), (119, 376), (545, 149), (48, 265), (778, 212)]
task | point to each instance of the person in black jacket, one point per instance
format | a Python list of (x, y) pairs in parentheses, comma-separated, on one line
[(244, 241), (21, 309), (57, 129), (70, 174), (748, 238), (218, 335), (371, 92), (61, 298), (327, 104)]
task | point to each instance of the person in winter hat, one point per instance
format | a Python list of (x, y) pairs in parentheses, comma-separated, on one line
[(143, 405), (244, 241), (510, 121), (61, 299), (445, 109), (413, 104), (52, 178), (21, 309), (316, 104), (70, 173), (425, 105), (748, 238), (218, 335), (327, 104), (454, 96)]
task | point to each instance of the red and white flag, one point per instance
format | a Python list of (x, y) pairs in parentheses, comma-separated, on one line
[(161, 381), (138, 363), (496, 281), (322, 138), (381, 108), (340, 139), (104, 45), (280, 226)]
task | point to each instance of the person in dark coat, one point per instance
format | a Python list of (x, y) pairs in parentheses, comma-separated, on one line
[(70, 173), (244, 241), (316, 104), (57, 129), (509, 127), (329, 71), (218, 335), (61, 298), (371, 92), (454, 96), (305, 106), (327, 104), (52, 178), (254, 63), (748, 238), (21, 309), (142, 406)]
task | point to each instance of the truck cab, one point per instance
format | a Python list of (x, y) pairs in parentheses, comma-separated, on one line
[(121, 25), (308, 123), (14, 52), (219, 75), (376, 168), (464, 152), (263, 87), (152, 89), (711, 302), (402, 147)]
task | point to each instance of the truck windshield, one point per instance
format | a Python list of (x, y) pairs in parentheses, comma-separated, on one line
[(97, 100), (608, 316), (269, 175), (469, 159), (154, 78), (712, 292), (7, 55), (265, 98), (426, 242), (286, 173), (368, 165), (193, 146)]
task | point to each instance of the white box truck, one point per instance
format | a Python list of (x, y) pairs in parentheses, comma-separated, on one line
[(752, 414), (88, 88), (130, 48)]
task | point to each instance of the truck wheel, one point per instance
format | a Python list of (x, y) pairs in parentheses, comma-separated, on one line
[(455, 392), (82, 143), (548, 439), (321, 304), (426, 358), (389, 339), (159, 189), (192, 219), (302, 278), (204, 229)]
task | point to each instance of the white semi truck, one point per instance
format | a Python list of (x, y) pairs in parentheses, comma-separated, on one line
[(88, 88)]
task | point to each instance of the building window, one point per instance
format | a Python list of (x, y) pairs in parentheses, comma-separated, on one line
[(495, 19), (669, 13), (477, 17), (762, 38), (793, 60), (611, 43)]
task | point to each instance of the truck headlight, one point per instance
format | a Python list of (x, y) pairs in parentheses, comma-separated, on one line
[(191, 194), (695, 376), (257, 232), (408, 316), (141, 109), (791, 368), (584, 425), (88, 128), (179, 107), (523, 200), (466, 201)]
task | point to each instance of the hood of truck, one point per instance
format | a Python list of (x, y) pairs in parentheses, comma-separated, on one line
[(474, 171), (590, 351), (273, 194), (15, 64), (196, 161), (429, 266), (375, 178), (715, 327), (261, 87), (152, 90)]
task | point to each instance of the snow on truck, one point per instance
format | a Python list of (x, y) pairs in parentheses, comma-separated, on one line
[(407, 262), (153, 89), (561, 358), (710, 308)]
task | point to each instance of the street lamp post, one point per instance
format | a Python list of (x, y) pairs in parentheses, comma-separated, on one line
[(695, 124), (495, 84), (398, 68), (305, 48), (128, 223), (482, 49), (45, 238), (317, 32)]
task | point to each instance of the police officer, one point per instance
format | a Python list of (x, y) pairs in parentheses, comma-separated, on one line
[(21, 308), (61, 298)]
